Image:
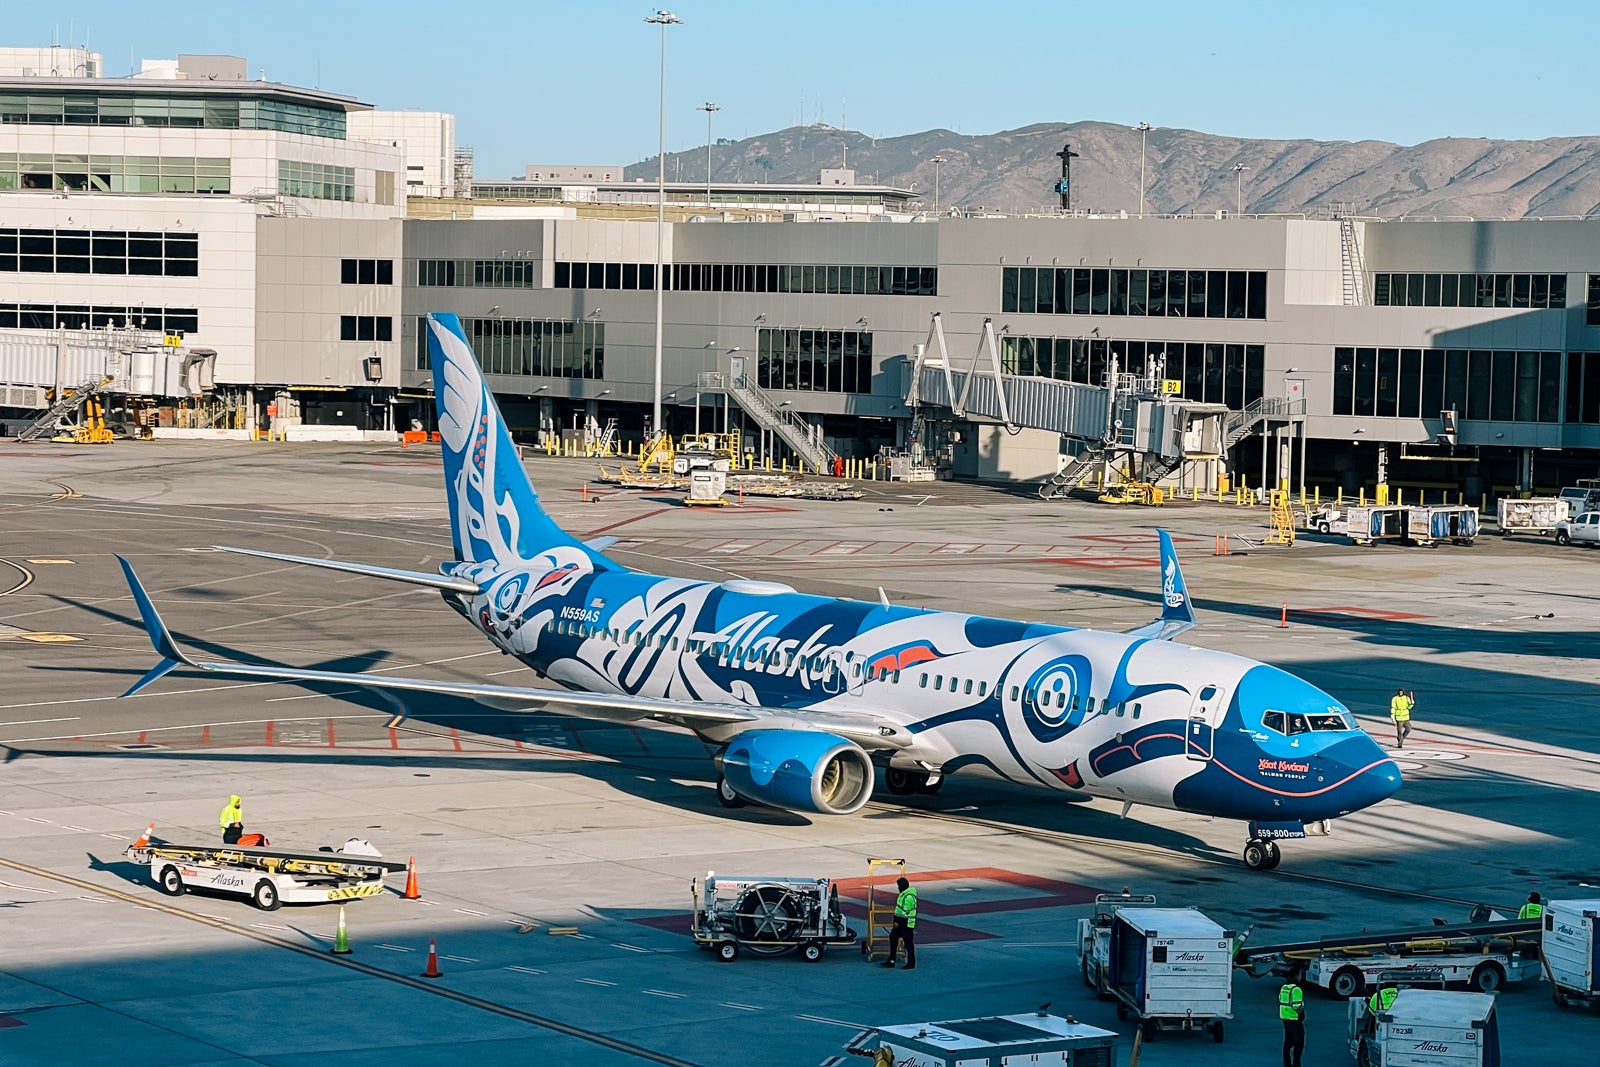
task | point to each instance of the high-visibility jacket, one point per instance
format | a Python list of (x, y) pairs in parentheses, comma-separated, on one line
[(1291, 1003), (1531, 911), (232, 812), (905, 906), (1382, 999), (1400, 707)]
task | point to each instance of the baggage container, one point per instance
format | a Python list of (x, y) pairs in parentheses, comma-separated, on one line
[(1430, 525), (1534, 515), (1571, 956), (1426, 1028), (1369, 525), (1035, 1040), (1172, 968)]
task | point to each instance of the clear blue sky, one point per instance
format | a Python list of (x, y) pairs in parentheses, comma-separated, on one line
[(576, 82)]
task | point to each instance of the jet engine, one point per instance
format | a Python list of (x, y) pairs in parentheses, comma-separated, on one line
[(799, 770)]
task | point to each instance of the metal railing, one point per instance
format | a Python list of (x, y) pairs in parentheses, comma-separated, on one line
[(782, 420)]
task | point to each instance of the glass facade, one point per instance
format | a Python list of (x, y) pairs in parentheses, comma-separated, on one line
[(1231, 374), (845, 279), (318, 181), (112, 174), (1591, 313), (819, 361), (1470, 290), (82, 108), (366, 272), (99, 252), (1583, 387), (82, 317), (366, 328), (480, 273), (546, 348), (1420, 383), (1126, 291)]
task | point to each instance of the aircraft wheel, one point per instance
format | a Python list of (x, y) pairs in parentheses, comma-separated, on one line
[(726, 795), (266, 896), (1274, 855), (902, 783), (931, 785), (171, 883), (1256, 856)]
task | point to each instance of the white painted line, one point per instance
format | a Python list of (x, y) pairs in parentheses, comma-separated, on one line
[(831, 1022), (469, 911), (25, 888), (98, 900), (35, 722), (320, 937), (429, 903), (115, 837), (741, 1007), (5, 813), (460, 959), (524, 970), (269, 926), (80, 829), (664, 993), (519, 922), (596, 981), (47, 822), (630, 948), (395, 948), (219, 918)]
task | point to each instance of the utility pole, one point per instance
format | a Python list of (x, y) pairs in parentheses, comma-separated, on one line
[(1144, 129), (1238, 187), (1064, 186), (709, 108), (936, 160), (662, 19)]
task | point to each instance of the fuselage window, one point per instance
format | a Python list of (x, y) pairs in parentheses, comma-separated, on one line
[(969, 687), (673, 644), (1074, 701), (922, 680), (1119, 710), (938, 681), (1088, 705), (894, 677), (983, 688), (1136, 711), (1013, 692), (1027, 696), (954, 682)]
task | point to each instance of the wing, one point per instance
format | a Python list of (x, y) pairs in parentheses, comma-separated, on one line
[(1177, 615), (866, 730)]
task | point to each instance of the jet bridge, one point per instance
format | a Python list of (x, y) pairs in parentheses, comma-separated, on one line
[(1136, 424)]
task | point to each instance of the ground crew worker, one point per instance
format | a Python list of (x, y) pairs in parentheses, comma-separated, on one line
[(232, 820), (1292, 1010), (1533, 909), (1400, 706), (905, 925), (1382, 999)]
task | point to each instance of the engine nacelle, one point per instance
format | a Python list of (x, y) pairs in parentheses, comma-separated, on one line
[(799, 770)]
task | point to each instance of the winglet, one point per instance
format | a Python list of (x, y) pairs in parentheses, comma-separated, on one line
[(1175, 606), (171, 655)]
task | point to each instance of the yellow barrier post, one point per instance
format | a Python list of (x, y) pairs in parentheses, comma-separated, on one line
[(1399, 495), (1362, 502), (1316, 496), (1484, 506)]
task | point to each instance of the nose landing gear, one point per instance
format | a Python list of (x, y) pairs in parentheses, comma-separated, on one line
[(1261, 855)]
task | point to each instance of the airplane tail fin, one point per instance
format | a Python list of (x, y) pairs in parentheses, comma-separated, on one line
[(1177, 613), (495, 514)]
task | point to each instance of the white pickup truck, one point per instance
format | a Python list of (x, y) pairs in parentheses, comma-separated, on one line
[(1583, 530)]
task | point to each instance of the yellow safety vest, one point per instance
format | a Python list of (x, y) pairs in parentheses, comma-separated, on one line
[(1382, 999), (905, 906), (1531, 911), (1291, 1003), (1400, 707), (231, 813)]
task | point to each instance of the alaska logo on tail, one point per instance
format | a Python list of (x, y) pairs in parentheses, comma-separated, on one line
[(495, 516)]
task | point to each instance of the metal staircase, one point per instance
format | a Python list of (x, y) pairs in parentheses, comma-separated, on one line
[(608, 438), (795, 431), (1258, 413), (1067, 479), (65, 406), (1351, 264)]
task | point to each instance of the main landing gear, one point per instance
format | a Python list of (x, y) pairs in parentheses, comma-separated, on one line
[(1261, 855), (903, 782)]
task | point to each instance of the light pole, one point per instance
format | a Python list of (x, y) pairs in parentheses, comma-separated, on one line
[(1238, 187), (709, 108), (1144, 128), (662, 19), (936, 160)]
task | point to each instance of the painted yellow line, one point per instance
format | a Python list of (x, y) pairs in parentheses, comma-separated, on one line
[(42, 562)]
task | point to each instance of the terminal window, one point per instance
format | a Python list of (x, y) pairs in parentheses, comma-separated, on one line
[(316, 181), (83, 317), (113, 174), (1470, 290), (1583, 387), (1126, 291), (477, 273), (1211, 373), (1591, 313), (366, 328), (818, 361), (545, 348), (140, 252), (1419, 383), (366, 272)]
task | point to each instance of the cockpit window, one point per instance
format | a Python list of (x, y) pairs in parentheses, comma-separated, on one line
[(1291, 723)]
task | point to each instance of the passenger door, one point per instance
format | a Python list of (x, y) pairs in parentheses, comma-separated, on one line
[(1204, 714)]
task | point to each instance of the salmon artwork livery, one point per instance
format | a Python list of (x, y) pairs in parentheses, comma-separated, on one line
[(805, 698)]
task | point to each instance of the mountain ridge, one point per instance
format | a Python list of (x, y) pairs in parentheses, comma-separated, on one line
[(1187, 171)]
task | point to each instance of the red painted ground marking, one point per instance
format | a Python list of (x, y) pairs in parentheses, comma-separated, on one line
[(1053, 894), (142, 735), (941, 548), (518, 744), (624, 522), (1013, 548), (1089, 561), (269, 731), (1364, 613), (902, 548), (825, 548), (205, 735), (331, 743), (785, 548), (1133, 538), (455, 738), (577, 739), (394, 738)]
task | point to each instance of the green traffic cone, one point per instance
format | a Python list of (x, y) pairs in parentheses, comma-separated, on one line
[(341, 941)]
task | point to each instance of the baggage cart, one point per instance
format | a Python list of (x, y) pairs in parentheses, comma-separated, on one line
[(268, 877), (1431, 525), (1370, 525), (767, 916), (1172, 969), (1037, 1040), (1425, 1028), (1570, 955), (1538, 515)]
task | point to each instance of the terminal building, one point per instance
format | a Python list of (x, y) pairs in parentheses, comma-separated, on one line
[(301, 236)]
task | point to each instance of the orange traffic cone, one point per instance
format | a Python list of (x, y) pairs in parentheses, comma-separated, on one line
[(411, 880), (433, 962), (144, 838)]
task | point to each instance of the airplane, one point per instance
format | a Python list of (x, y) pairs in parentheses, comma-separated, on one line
[(805, 697)]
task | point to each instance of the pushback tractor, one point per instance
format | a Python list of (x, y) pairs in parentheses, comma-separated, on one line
[(267, 877)]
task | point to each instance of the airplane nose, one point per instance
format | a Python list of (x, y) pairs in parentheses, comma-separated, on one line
[(1376, 777)]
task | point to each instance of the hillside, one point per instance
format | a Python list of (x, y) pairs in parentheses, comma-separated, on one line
[(1186, 171)]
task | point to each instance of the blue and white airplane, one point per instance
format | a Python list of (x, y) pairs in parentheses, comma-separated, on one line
[(805, 696)]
